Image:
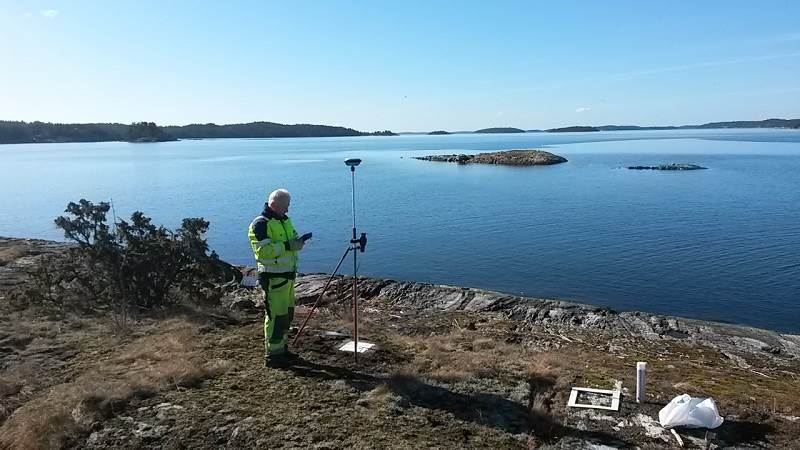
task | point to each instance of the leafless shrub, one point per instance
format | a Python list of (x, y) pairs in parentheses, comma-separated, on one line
[(127, 267)]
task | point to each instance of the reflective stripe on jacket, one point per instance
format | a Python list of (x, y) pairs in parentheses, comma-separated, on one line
[(268, 236)]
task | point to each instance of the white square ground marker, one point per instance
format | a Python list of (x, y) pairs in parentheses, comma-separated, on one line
[(349, 346), (599, 398)]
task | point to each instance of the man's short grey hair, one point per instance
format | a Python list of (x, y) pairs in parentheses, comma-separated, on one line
[(278, 194)]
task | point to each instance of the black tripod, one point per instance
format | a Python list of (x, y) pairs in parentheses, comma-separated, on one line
[(356, 245)]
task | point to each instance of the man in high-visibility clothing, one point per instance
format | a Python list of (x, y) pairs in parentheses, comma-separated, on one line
[(276, 245)]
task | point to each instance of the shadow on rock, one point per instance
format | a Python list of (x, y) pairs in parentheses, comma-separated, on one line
[(742, 432), (481, 408), (305, 368), (486, 409)]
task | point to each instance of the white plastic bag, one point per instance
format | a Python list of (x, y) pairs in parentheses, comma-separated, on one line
[(692, 412)]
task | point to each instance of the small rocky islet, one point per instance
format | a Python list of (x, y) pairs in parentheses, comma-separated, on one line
[(524, 157), (671, 166)]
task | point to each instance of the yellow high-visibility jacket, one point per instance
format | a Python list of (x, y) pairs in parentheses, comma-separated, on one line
[(269, 236)]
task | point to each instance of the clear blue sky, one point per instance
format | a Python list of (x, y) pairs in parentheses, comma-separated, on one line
[(402, 65)]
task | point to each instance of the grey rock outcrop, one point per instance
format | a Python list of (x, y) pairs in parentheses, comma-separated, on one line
[(525, 157), (563, 317), (671, 166)]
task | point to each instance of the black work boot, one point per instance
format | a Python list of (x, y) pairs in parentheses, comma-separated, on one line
[(289, 355), (277, 361)]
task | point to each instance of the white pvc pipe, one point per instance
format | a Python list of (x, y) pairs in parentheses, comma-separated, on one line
[(641, 369)]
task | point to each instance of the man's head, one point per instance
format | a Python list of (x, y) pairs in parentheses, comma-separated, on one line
[(279, 201)]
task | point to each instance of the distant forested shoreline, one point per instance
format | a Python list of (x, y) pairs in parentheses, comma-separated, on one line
[(18, 132), (264, 130)]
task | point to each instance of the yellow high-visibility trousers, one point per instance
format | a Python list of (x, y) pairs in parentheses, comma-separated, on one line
[(278, 313)]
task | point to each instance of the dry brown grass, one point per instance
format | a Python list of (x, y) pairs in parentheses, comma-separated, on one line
[(160, 361), (473, 357), (463, 354), (12, 382)]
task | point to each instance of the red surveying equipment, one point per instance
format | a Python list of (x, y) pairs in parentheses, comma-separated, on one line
[(359, 244)]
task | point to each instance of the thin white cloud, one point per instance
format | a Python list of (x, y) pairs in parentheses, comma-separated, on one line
[(788, 37), (583, 109), (49, 13), (623, 76), (687, 67), (778, 38), (758, 92)]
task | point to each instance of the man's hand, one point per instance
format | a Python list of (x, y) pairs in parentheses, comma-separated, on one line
[(295, 245)]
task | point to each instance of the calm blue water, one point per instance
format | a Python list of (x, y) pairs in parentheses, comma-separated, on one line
[(721, 244)]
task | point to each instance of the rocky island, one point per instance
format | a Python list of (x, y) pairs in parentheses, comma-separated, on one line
[(524, 157), (671, 166), (438, 133)]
